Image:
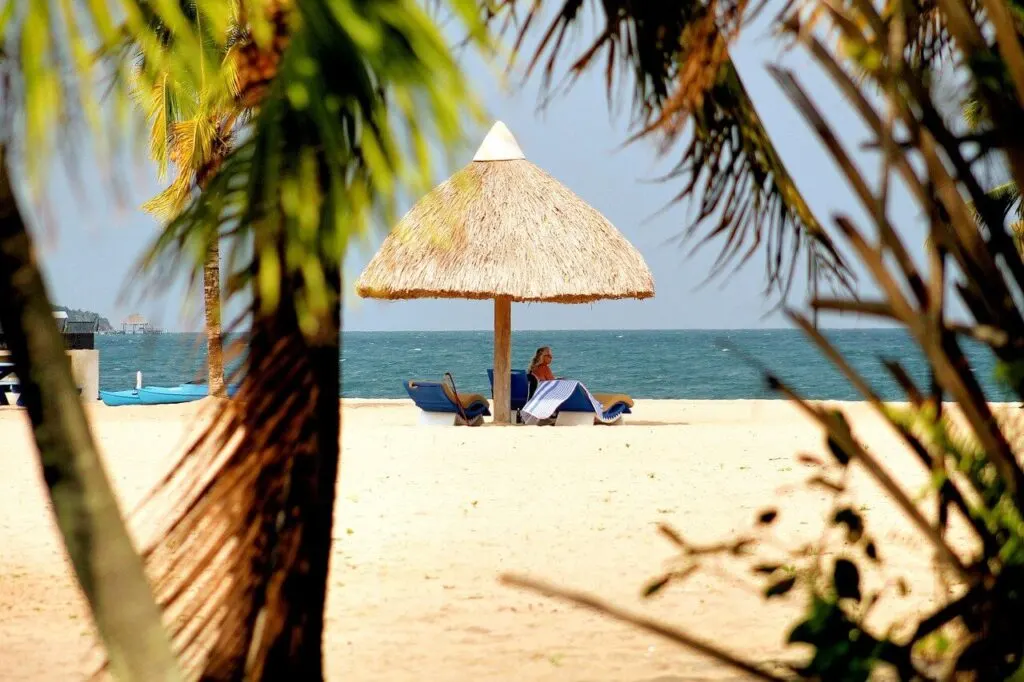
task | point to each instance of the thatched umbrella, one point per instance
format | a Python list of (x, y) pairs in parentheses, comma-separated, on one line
[(503, 229)]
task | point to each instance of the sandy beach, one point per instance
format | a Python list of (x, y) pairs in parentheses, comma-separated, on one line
[(429, 517)]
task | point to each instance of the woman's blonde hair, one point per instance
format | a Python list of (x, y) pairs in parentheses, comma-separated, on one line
[(537, 356)]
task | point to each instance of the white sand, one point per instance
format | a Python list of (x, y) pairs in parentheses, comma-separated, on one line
[(429, 517)]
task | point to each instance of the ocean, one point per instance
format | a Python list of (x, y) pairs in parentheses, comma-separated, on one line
[(687, 364)]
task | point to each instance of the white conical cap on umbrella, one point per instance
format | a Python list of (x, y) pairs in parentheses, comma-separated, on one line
[(499, 145)]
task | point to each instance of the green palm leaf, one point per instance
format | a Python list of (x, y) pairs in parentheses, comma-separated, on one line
[(60, 49), (319, 160)]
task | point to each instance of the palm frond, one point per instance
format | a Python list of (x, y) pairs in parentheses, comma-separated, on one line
[(1017, 230), (928, 45), (195, 146), (1004, 199), (174, 197), (187, 124), (742, 187), (685, 87), (1006, 195), (974, 113), (160, 110), (55, 52), (929, 41), (229, 68)]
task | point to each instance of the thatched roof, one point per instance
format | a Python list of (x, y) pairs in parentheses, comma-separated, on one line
[(501, 226)]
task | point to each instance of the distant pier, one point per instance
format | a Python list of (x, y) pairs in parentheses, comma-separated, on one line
[(137, 324)]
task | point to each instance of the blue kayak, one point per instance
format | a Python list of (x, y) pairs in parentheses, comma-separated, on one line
[(183, 393), (159, 395), (119, 398)]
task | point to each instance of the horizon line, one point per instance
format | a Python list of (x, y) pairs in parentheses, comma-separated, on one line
[(624, 329), (609, 329)]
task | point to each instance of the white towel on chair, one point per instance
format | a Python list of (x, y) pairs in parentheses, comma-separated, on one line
[(549, 397)]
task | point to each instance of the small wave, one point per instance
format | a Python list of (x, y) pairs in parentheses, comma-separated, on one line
[(725, 350), (619, 336), (417, 349)]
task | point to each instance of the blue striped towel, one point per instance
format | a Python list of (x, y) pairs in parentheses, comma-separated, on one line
[(549, 397)]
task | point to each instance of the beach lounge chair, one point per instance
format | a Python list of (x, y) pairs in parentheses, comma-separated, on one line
[(440, 404), (574, 405), (8, 385), (521, 387), (578, 410), (10, 394)]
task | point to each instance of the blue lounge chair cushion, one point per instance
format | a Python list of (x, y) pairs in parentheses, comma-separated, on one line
[(433, 396), (614, 404), (520, 387)]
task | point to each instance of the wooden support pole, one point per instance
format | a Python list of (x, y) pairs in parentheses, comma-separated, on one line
[(503, 360)]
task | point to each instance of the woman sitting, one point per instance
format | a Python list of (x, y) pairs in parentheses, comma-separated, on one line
[(540, 366), (540, 370)]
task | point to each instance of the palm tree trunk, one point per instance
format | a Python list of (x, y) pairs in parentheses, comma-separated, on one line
[(211, 304), (288, 644), (211, 272), (297, 651), (280, 474), (105, 562)]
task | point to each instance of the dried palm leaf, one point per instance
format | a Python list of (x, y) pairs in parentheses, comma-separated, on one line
[(686, 86)]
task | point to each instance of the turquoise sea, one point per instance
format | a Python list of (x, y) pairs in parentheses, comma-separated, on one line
[(691, 364)]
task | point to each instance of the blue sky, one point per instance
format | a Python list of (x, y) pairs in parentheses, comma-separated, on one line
[(89, 251)]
